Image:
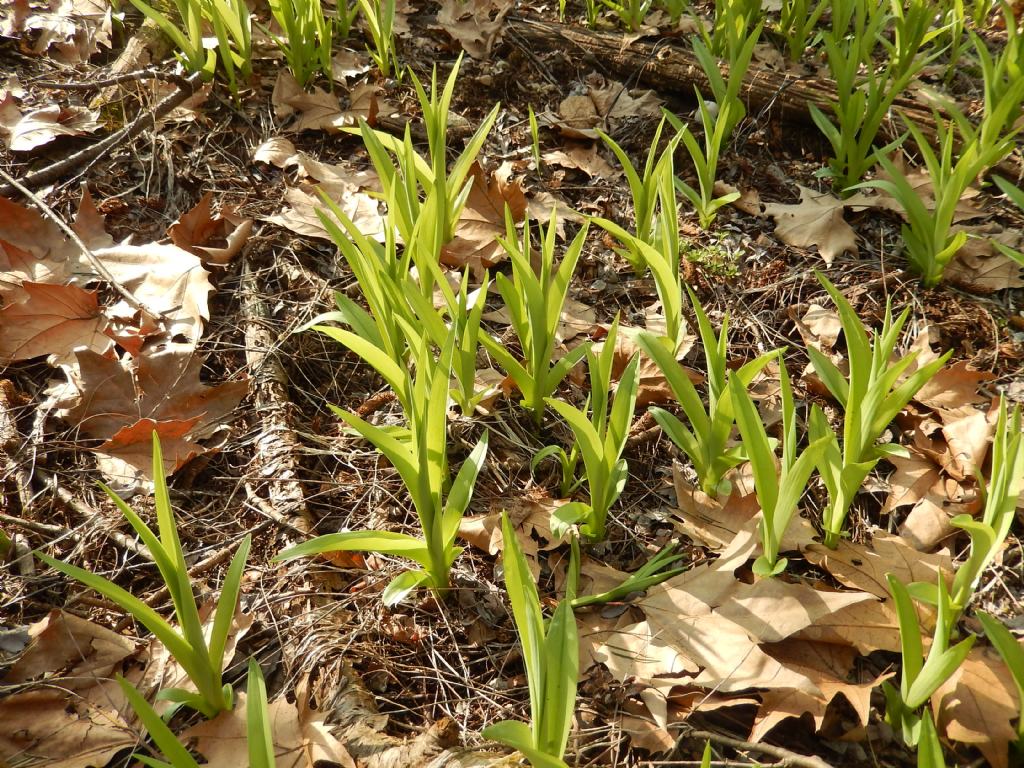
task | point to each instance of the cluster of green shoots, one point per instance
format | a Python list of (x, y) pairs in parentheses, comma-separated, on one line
[(306, 36), (199, 650)]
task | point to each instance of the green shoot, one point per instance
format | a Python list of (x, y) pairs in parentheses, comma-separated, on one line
[(661, 567), (631, 13), (380, 21), (551, 658), (706, 441), (534, 300), (535, 139), (778, 491), (567, 463), (201, 659), (920, 676), (601, 439), (871, 398), (164, 738), (308, 37), (421, 459), (797, 23), (258, 727)]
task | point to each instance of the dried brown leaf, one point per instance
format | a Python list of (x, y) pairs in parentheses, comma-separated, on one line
[(475, 24), (52, 320)]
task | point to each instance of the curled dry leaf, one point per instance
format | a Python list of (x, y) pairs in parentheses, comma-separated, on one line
[(603, 105), (25, 132), (70, 31), (216, 239), (529, 514), (52, 320), (76, 720), (980, 267), (475, 24), (277, 151), (583, 157)]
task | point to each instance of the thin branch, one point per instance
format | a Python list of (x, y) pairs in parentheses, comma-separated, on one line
[(784, 757)]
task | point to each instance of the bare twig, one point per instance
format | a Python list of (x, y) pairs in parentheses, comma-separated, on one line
[(124, 77), (86, 156), (784, 757)]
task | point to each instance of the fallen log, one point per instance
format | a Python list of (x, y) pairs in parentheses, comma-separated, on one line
[(670, 67)]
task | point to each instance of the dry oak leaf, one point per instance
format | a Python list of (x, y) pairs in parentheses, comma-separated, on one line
[(76, 721), (968, 432), (475, 24), (652, 386), (52, 320), (577, 319), (42, 726), (320, 110), (978, 705), (74, 648), (864, 566), (216, 239), (33, 249), (126, 459), (817, 220), (953, 386), (867, 626), (299, 734), (482, 220), (41, 126), (529, 514)]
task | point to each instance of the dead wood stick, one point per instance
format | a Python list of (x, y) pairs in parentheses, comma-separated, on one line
[(277, 447), (675, 68), (85, 157)]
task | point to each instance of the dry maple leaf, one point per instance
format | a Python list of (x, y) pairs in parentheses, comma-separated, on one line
[(123, 402), (168, 281), (817, 220), (475, 24), (199, 231), (482, 220), (344, 186), (979, 267), (603, 105), (33, 249), (529, 515), (829, 667), (52, 320), (978, 704)]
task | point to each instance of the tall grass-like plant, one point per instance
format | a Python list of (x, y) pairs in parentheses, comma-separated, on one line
[(631, 13), (871, 397), (798, 20), (921, 676), (201, 658), (308, 37), (864, 94), (417, 178), (379, 16), (734, 19), (232, 26), (534, 299), (706, 441), (420, 455), (778, 489), (550, 655), (645, 189), (929, 235), (601, 439)]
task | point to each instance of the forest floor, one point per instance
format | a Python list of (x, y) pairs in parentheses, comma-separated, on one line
[(217, 200)]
